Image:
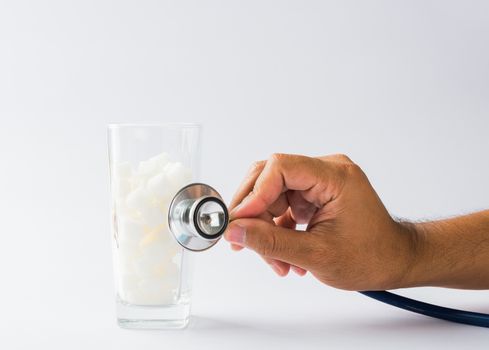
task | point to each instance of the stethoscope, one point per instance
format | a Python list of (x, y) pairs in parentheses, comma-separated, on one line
[(198, 217)]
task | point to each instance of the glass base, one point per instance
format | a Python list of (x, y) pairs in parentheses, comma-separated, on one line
[(174, 316), (152, 324)]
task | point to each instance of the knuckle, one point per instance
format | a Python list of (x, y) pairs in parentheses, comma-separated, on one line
[(343, 157), (348, 170), (353, 170), (278, 157), (256, 166)]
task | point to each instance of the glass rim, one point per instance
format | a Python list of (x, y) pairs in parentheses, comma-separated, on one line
[(154, 125)]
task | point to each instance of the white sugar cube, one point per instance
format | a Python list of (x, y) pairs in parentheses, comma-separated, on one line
[(159, 285), (147, 167), (123, 170), (177, 173), (144, 265), (152, 285), (129, 234), (159, 290), (121, 176), (147, 295), (151, 265), (161, 160), (128, 281), (167, 271), (153, 165), (152, 217), (121, 188), (138, 199), (126, 253), (129, 231), (161, 248), (176, 176), (147, 256), (158, 186), (124, 212), (125, 262)]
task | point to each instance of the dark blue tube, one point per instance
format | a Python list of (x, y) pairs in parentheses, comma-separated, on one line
[(444, 313)]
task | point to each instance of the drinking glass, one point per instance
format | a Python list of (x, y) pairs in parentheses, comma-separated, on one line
[(148, 165)]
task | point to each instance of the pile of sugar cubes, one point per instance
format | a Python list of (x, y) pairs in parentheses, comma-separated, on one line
[(147, 258)]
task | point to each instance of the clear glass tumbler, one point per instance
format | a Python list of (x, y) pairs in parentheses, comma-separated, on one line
[(148, 165)]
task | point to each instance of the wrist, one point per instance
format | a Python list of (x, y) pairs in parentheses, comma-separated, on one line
[(414, 258), (450, 253)]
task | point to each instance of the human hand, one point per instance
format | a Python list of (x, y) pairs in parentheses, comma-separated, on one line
[(351, 242)]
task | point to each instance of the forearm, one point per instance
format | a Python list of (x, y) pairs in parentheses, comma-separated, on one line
[(451, 253)]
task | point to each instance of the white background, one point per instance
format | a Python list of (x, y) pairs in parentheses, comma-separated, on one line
[(400, 86)]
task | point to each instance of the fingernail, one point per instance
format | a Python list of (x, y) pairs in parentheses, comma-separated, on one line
[(236, 234), (233, 212), (238, 207), (236, 247), (297, 270), (275, 268)]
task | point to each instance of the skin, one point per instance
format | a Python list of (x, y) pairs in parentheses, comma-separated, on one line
[(351, 241)]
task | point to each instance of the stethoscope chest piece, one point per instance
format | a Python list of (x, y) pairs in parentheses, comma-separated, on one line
[(197, 217)]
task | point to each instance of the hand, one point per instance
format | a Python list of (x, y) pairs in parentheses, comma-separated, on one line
[(351, 241)]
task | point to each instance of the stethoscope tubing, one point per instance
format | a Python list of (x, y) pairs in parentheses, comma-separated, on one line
[(440, 312)]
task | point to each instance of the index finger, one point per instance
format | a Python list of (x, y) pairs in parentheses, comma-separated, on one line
[(320, 181), (247, 184)]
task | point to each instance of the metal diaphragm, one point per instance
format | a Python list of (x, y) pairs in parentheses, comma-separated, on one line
[(197, 217)]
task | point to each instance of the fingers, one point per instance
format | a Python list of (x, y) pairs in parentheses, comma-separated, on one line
[(339, 158), (236, 247), (301, 210), (275, 211), (247, 184), (298, 270), (285, 190), (286, 220), (282, 269), (271, 241), (279, 267), (319, 181)]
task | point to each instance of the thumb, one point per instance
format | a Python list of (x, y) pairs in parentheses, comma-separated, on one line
[(270, 241)]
